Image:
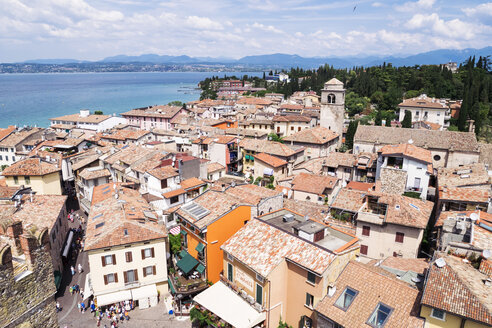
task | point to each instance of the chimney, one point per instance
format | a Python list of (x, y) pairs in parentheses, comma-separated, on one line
[(29, 244)]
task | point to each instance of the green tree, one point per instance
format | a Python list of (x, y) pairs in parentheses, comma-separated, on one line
[(98, 112), (379, 118), (355, 104), (349, 136), (176, 103), (201, 318), (407, 120), (175, 243), (274, 137)]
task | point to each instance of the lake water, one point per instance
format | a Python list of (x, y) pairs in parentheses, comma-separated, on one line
[(32, 99)]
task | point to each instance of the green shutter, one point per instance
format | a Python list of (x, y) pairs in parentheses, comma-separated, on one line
[(259, 294), (229, 272)]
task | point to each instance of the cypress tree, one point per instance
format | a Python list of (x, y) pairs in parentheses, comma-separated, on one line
[(407, 120)]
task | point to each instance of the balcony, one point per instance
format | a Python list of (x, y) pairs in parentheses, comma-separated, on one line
[(374, 218), (187, 285)]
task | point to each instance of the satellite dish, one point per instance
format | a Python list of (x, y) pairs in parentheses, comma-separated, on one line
[(486, 253), (440, 262), (416, 279), (410, 141), (474, 217)]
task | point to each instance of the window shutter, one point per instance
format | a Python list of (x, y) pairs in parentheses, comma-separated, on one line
[(153, 270), (131, 256), (103, 260), (115, 277), (153, 254), (143, 254), (114, 259), (125, 277), (105, 279), (136, 274), (144, 272)]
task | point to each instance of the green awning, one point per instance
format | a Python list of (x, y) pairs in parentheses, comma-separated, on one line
[(182, 253), (247, 157), (200, 268), (171, 287), (199, 248), (183, 232), (187, 263), (58, 279)]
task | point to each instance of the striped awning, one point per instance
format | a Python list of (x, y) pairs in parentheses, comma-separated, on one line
[(176, 230)]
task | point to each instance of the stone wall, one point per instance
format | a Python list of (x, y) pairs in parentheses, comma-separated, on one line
[(393, 181), (27, 288)]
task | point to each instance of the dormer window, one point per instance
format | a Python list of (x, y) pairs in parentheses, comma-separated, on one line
[(346, 298), (380, 316)]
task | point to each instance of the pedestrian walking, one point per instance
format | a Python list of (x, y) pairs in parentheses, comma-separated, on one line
[(80, 268), (71, 290), (58, 307), (72, 269), (127, 317), (79, 305), (82, 293)]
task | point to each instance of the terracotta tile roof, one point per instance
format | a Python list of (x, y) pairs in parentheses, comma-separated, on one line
[(291, 106), (269, 147), (7, 192), (407, 150), (349, 200), (173, 193), (404, 264), (244, 132), (314, 184), (430, 139), (262, 247), (162, 111), (17, 137), (254, 101), (42, 212), (6, 132), (126, 135), (79, 163), (270, 160), (466, 175), (291, 118), (164, 172), (214, 167), (362, 186), (148, 161), (411, 212), (318, 135), (94, 173), (191, 183), (128, 154), (471, 195), (458, 288), (251, 194), (79, 119), (31, 167), (423, 101), (313, 165), (216, 202), (373, 285), (110, 217)]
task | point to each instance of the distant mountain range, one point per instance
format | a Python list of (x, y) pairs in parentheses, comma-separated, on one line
[(285, 60)]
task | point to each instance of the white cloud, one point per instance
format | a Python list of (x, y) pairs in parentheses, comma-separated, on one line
[(412, 6), (452, 29), (482, 12), (377, 4), (266, 28), (204, 23)]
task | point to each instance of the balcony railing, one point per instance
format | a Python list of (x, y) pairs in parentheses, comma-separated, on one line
[(185, 285)]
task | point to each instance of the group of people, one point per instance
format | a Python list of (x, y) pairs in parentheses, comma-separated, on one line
[(116, 313)]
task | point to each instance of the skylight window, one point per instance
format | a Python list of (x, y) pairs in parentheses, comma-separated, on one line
[(99, 225), (346, 298), (380, 316)]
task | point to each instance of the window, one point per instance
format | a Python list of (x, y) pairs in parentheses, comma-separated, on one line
[(346, 298), (174, 199), (130, 276), (399, 237), (230, 272), (148, 252), (347, 170), (291, 128), (309, 300), (379, 316), (366, 230), (108, 260), (13, 158), (259, 294), (128, 256), (363, 249), (299, 129), (163, 183), (16, 179), (110, 278), (149, 271), (437, 157), (311, 277), (438, 314)]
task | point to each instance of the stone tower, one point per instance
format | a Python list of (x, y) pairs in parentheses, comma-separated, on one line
[(333, 106)]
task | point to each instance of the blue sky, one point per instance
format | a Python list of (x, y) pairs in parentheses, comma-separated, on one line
[(87, 29)]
